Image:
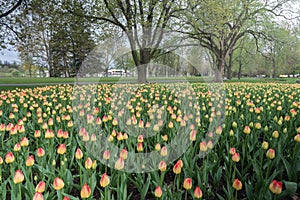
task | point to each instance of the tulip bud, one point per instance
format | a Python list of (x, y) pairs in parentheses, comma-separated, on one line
[(297, 138), (94, 165), (78, 154), (236, 157), (60, 133), (275, 134), (140, 147), (164, 151), (30, 161), (85, 191), (9, 157), (104, 181), (157, 147), (219, 130), (162, 166), (124, 154), (158, 192), (88, 163), (106, 155), (237, 184), (17, 147), (265, 145), (193, 135), (197, 193), (234, 124), (58, 183), (203, 146), (247, 130), (38, 196), (61, 149), (276, 187), (40, 152), (187, 184), (18, 177), (119, 164), (270, 153), (232, 151), (40, 187), (177, 168)]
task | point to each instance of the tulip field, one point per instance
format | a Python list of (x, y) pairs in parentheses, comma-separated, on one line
[(152, 141)]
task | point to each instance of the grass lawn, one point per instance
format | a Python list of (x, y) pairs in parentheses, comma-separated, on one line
[(41, 81)]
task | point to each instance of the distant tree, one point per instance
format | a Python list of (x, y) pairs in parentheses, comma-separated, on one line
[(142, 21), (219, 25)]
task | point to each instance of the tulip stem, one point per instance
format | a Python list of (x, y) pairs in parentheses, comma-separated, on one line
[(162, 176), (58, 195), (236, 194), (185, 195), (20, 191)]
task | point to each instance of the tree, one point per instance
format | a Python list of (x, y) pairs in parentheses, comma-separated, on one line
[(219, 25), (54, 37), (142, 21)]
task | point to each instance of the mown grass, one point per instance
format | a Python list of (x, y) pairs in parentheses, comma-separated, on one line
[(42, 81)]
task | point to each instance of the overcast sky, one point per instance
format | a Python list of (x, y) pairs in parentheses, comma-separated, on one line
[(10, 56)]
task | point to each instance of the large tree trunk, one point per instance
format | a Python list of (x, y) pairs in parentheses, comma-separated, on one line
[(274, 75), (240, 69), (229, 67), (229, 73), (220, 69), (142, 69), (142, 73)]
